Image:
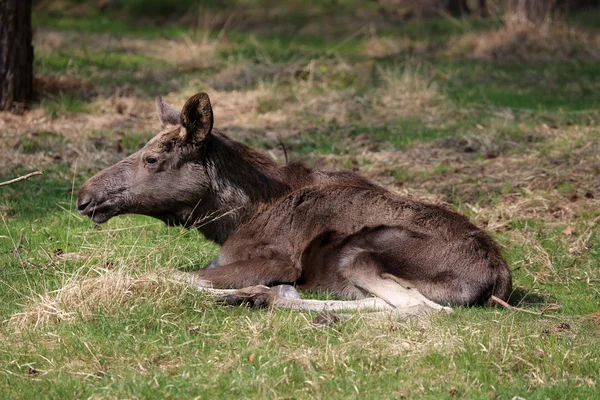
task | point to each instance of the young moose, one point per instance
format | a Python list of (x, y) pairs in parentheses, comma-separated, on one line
[(314, 229)]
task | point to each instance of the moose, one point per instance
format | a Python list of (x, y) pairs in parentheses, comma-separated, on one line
[(283, 227)]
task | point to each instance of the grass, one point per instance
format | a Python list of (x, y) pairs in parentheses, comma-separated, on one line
[(64, 104), (538, 88), (90, 311), (397, 135), (98, 23)]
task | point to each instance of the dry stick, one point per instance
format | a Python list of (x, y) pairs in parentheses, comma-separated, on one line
[(283, 148), (19, 243), (22, 178), (501, 302)]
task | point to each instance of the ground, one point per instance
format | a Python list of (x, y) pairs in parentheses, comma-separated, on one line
[(496, 121)]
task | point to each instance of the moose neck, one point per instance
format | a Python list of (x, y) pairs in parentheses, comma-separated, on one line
[(241, 179)]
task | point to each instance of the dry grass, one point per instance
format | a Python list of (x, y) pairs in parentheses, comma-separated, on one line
[(521, 40), (185, 53), (407, 92), (53, 85), (301, 96), (81, 135), (99, 290), (385, 46)]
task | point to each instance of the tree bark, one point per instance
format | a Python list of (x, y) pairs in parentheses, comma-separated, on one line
[(16, 54), (457, 8), (483, 11)]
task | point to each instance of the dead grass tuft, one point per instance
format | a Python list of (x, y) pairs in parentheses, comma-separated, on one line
[(188, 52), (83, 136), (290, 99), (52, 85), (521, 40), (406, 91), (384, 46), (105, 290)]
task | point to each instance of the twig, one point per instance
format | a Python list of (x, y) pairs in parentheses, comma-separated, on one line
[(22, 178), (504, 304), (19, 243), (283, 148)]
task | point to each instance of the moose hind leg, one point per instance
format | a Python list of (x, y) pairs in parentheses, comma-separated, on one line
[(363, 271)]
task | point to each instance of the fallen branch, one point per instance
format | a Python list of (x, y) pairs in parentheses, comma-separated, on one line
[(22, 178), (504, 304)]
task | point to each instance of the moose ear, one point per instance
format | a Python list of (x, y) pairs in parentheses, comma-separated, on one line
[(167, 114), (197, 117)]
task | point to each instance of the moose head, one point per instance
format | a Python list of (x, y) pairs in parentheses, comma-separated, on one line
[(188, 174), (166, 179)]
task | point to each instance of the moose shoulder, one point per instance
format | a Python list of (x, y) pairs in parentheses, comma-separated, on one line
[(315, 229)]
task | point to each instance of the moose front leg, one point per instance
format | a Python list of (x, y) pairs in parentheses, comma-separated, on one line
[(285, 296), (237, 296), (246, 273)]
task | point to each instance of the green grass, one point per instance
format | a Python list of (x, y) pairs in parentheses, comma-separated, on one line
[(99, 23), (106, 69), (271, 47), (93, 62), (341, 141), (586, 18), (64, 104), (538, 88), (42, 141), (512, 146), (440, 30)]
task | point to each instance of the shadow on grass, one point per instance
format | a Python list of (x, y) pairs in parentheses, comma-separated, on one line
[(523, 297)]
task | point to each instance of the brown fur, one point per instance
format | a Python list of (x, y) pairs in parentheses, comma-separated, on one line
[(290, 224)]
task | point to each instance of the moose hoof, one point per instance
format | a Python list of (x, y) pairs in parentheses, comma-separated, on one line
[(233, 300), (326, 318), (428, 309), (253, 296), (260, 296), (286, 291), (439, 307), (448, 310)]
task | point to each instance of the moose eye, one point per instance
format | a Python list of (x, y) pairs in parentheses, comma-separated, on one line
[(151, 160)]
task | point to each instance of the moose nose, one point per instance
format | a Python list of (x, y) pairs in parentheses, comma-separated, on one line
[(83, 201)]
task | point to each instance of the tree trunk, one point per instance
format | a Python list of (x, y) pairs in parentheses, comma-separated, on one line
[(483, 11), (457, 8), (16, 54)]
